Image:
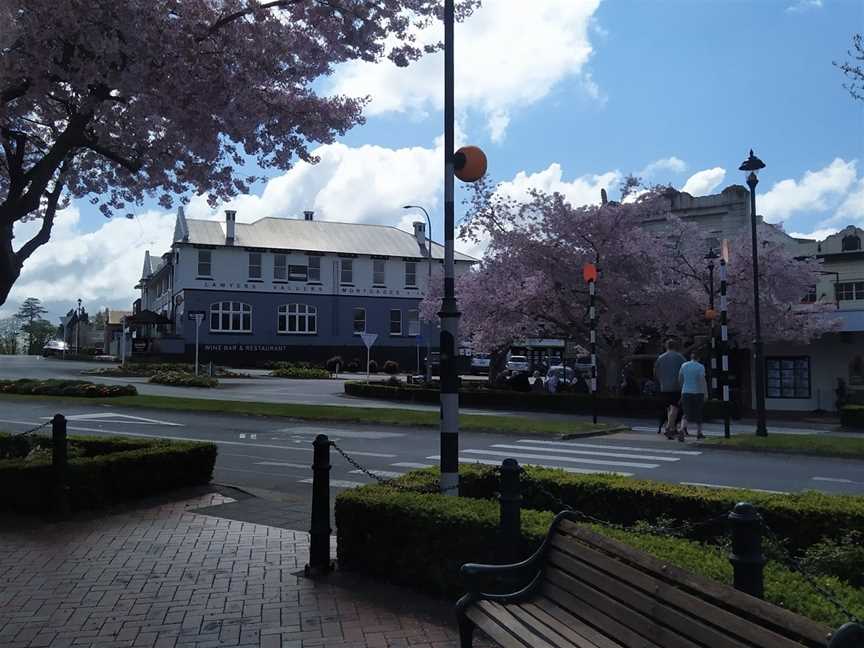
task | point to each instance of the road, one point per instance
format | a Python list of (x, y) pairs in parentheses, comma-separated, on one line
[(275, 454)]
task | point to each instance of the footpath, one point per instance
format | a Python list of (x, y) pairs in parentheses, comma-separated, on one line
[(199, 569)]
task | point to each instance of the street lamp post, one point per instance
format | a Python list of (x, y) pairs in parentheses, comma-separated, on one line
[(78, 329), (751, 166), (428, 284)]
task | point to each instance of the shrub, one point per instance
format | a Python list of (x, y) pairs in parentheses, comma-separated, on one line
[(334, 364), (373, 367), (300, 372), (182, 379), (852, 416), (353, 366), (393, 381), (843, 559), (104, 470), (55, 387), (408, 538), (391, 367)]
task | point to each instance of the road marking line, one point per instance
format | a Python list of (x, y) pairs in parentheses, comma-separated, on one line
[(588, 452), (335, 483), (599, 462), (254, 472), (837, 480), (409, 464), (724, 486), (124, 418), (282, 463), (389, 474), (570, 444), (580, 471)]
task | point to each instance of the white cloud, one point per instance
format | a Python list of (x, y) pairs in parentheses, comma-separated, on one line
[(506, 57), (804, 5), (815, 191), (704, 182), (852, 206), (668, 165), (816, 235)]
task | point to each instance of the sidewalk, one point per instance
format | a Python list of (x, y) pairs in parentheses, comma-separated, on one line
[(171, 574)]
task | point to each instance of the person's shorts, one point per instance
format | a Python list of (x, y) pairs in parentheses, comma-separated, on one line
[(693, 404), (670, 398)]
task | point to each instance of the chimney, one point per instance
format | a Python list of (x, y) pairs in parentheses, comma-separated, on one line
[(230, 218), (420, 235), (307, 215)]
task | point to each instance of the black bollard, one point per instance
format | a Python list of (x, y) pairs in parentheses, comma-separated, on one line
[(746, 557), (319, 534), (59, 458), (510, 524)]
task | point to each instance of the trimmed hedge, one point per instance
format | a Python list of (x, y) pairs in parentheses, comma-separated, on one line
[(56, 387), (147, 369), (183, 379), (803, 518), (852, 416), (528, 401), (106, 470), (301, 373), (421, 541)]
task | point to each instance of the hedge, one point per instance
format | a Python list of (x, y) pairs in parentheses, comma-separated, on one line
[(56, 387), (528, 401), (421, 540), (852, 416), (301, 372), (107, 470), (803, 519), (147, 369), (183, 379)]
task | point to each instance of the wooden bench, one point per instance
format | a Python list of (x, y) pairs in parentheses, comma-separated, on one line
[(581, 589)]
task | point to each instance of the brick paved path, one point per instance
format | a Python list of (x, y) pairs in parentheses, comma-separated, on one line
[(163, 575)]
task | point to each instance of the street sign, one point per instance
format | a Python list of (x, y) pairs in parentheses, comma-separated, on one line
[(369, 338), (196, 315)]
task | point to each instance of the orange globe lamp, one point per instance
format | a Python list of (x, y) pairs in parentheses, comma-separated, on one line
[(710, 314), (469, 163)]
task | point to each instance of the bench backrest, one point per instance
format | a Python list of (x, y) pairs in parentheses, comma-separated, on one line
[(640, 601)]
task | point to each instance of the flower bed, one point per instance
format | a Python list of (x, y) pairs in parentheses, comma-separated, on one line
[(182, 379), (309, 373), (55, 387), (146, 369), (101, 470)]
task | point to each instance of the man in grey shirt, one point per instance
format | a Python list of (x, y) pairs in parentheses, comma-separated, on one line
[(666, 370)]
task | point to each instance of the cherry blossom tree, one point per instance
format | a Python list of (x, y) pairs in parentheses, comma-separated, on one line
[(118, 101)]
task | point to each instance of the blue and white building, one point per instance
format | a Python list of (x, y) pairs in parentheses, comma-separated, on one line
[(290, 289)]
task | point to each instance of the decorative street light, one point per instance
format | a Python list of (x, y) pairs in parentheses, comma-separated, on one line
[(428, 285), (751, 166)]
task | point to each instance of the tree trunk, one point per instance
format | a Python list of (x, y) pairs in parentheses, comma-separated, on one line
[(10, 268)]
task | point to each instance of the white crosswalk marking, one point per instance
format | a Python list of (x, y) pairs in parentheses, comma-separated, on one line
[(411, 464), (579, 471), (596, 453), (609, 446), (600, 462), (386, 474), (335, 483)]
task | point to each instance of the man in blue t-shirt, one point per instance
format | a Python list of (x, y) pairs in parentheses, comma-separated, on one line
[(694, 388), (666, 373)]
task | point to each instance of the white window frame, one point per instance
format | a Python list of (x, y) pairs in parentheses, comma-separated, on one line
[(299, 312), (280, 267), (379, 272), (208, 263), (314, 271), (413, 322), (354, 313), (259, 265), (241, 310), (392, 322), (346, 265), (412, 273)]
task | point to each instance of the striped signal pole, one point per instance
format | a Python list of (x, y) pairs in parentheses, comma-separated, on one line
[(724, 348), (589, 274)]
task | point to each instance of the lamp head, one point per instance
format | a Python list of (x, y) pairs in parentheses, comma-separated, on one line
[(752, 164)]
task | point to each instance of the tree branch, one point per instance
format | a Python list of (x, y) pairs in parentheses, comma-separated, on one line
[(219, 24), (44, 233), (133, 166)]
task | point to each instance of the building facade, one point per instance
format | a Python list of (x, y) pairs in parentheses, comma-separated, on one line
[(292, 289)]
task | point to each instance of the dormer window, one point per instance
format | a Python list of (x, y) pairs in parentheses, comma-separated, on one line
[(851, 243)]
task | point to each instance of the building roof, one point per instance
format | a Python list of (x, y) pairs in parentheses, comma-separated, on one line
[(313, 236)]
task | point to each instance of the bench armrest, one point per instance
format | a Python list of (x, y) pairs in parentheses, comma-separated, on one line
[(475, 575)]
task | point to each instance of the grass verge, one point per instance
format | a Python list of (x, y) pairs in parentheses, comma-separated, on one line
[(342, 414), (815, 445)]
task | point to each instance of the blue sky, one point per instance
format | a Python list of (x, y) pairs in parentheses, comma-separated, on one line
[(564, 95)]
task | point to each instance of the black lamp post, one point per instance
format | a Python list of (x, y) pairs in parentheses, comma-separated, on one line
[(78, 330), (751, 166), (711, 257)]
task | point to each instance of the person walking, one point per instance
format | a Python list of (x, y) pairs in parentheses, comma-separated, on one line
[(694, 390), (666, 370)]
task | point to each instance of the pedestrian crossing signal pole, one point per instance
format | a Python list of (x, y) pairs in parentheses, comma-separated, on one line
[(724, 346), (589, 273)]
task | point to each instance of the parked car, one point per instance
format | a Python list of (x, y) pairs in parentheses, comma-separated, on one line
[(480, 363), (517, 363), (54, 347)]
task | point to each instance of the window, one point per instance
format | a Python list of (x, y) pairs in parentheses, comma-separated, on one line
[(230, 317), (204, 263), (314, 269), (413, 322), (850, 290), (297, 273), (280, 272), (851, 243), (787, 377), (254, 265), (297, 318), (395, 322), (346, 275), (359, 320), (410, 274), (378, 272)]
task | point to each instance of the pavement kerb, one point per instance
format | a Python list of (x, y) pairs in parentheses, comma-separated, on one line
[(786, 451), (597, 433)]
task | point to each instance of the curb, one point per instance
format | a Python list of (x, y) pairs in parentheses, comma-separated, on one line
[(779, 451), (586, 435)]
